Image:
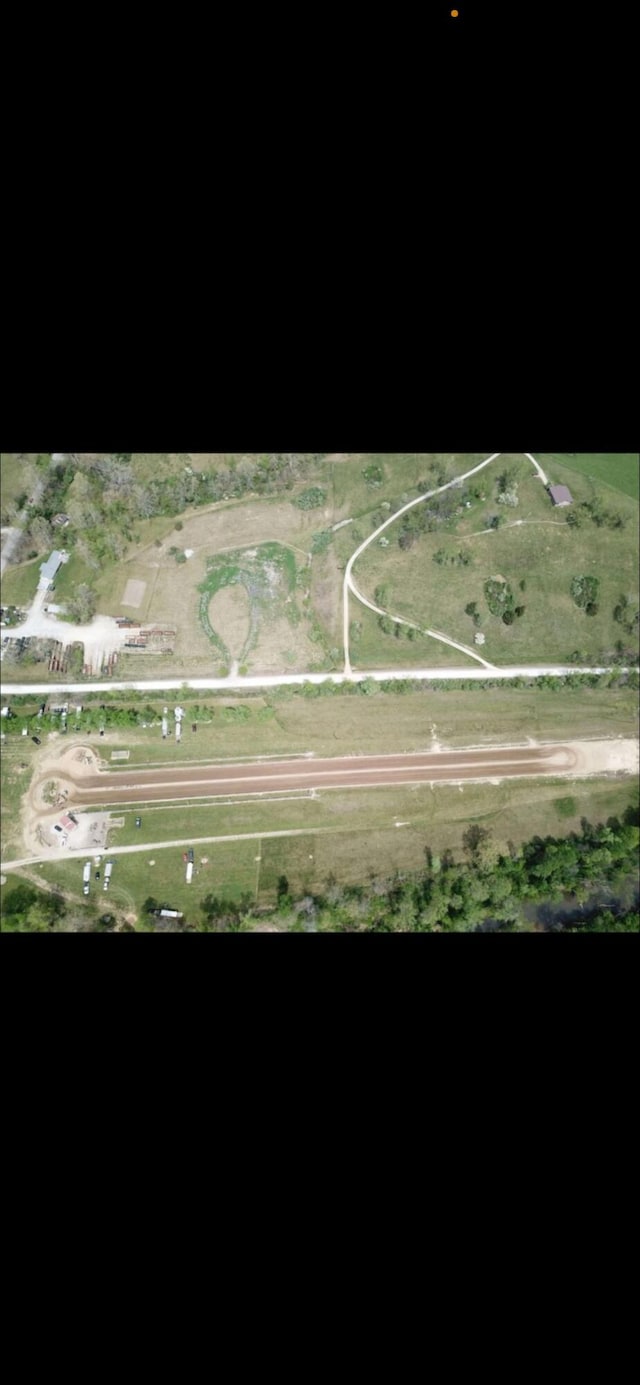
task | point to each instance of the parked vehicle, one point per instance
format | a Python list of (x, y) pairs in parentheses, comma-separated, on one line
[(86, 876), (138, 822), (190, 855), (36, 740)]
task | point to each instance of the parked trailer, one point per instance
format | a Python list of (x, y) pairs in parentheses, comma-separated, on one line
[(86, 876), (107, 874), (189, 874)]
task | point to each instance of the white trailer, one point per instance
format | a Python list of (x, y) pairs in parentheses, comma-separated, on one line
[(189, 874), (86, 876), (107, 874)]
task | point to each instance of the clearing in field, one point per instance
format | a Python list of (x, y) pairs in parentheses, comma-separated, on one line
[(134, 592)]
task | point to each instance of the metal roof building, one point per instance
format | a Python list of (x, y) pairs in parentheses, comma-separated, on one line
[(561, 495), (48, 570)]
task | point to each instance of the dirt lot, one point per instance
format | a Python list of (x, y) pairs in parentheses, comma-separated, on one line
[(133, 593), (86, 786)]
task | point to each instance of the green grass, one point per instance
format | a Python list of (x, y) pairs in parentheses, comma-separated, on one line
[(70, 576), (544, 550), (231, 872), (362, 839), (619, 470), (351, 723), (20, 584), (12, 477), (17, 760), (268, 574)]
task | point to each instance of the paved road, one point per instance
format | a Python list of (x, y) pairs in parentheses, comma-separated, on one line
[(250, 684)]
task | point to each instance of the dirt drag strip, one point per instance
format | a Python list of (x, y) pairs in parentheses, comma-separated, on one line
[(137, 786)]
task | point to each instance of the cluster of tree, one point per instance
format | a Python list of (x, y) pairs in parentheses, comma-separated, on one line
[(82, 606), (625, 616), (311, 499), (460, 559), (501, 601), (394, 627), (584, 591), (594, 510), (373, 475), (29, 910), (321, 541), (508, 488), (103, 497), (486, 885), (433, 514), (605, 921)]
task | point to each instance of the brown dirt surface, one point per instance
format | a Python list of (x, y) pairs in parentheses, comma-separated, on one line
[(448, 766)]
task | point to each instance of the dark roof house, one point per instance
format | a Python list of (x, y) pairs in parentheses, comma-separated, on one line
[(561, 495)]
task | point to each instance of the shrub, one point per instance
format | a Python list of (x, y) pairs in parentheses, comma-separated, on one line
[(584, 591), (373, 475), (311, 499)]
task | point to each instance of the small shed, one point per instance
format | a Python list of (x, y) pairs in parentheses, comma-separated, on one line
[(561, 495)]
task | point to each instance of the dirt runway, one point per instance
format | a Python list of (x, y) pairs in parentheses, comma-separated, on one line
[(143, 786)]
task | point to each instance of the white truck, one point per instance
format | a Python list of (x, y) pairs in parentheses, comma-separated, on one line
[(107, 874), (86, 876), (189, 875)]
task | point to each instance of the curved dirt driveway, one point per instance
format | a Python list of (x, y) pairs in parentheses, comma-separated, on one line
[(349, 585)]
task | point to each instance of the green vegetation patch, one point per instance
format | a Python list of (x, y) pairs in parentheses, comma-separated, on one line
[(620, 470), (268, 574)]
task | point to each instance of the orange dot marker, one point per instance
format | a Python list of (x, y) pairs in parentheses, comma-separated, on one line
[(454, 14)]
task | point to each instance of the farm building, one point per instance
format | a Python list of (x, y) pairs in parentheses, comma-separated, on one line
[(561, 495), (49, 569)]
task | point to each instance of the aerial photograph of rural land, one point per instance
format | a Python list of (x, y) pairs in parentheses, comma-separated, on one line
[(319, 692)]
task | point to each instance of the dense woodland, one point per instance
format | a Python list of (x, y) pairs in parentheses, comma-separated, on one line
[(486, 890)]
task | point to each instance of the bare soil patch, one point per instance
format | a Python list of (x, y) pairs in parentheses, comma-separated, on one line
[(134, 593)]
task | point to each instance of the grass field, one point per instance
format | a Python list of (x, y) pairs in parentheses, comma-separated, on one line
[(12, 477), (365, 488), (362, 839), (18, 757), (540, 548), (19, 584), (619, 470), (347, 724)]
